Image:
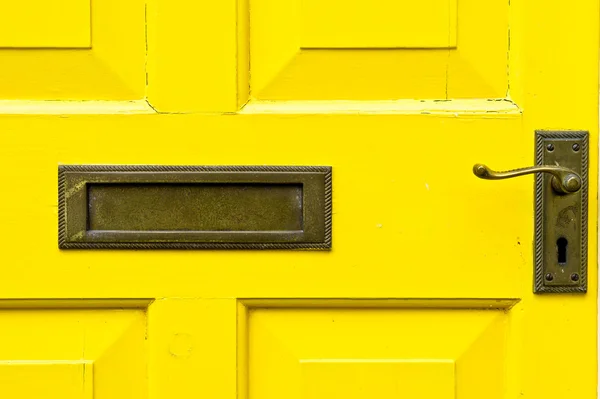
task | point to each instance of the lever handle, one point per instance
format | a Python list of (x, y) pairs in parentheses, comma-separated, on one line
[(564, 181)]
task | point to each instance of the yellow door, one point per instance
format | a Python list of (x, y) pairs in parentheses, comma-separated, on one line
[(427, 290)]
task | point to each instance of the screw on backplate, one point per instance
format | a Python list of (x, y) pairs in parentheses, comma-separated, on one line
[(575, 147), (549, 277), (550, 147), (575, 277)]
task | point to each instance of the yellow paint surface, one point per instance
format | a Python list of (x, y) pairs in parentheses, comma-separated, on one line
[(427, 291), (193, 56), (40, 62), (49, 379), (55, 353), (387, 379), (382, 50), (377, 23), (39, 23), (387, 353)]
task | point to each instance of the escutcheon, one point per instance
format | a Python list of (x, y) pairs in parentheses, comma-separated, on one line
[(561, 220)]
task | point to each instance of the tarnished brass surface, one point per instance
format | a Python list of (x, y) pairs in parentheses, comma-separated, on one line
[(194, 207), (561, 220), (564, 180), (153, 207)]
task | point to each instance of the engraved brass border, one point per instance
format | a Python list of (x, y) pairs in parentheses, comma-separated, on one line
[(539, 271), (132, 170)]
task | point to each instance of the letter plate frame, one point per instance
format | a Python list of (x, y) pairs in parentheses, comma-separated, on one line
[(315, 207)]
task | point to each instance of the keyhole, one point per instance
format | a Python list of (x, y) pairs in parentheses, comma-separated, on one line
[(561, 243)]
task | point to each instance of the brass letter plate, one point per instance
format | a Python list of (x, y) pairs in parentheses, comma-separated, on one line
[(194, 207), (561, 220)]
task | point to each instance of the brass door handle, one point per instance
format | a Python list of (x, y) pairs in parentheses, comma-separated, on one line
[(564, 180), (560, 214)]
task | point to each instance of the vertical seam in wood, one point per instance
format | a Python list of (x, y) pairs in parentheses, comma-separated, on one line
[(146, 56), (240, 69), (146, 53), (508, 54), (448, 42), (237, 53)]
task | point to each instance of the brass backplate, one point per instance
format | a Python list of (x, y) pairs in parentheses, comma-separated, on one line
[(194, 207), (561, 220)]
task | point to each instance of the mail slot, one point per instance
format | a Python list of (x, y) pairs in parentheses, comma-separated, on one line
[(194, 207)]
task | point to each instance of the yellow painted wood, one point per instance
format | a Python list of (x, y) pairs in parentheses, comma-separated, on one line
[(53, 379), (113, 68), (351, 378), (381, 228), (388, 353), (72, 353), (350, 24), (193, 55), (427, 291), (484, 108), (90, 107), (243, 53), (283, 66), (555, 73), (38, 23), (192, 348)]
